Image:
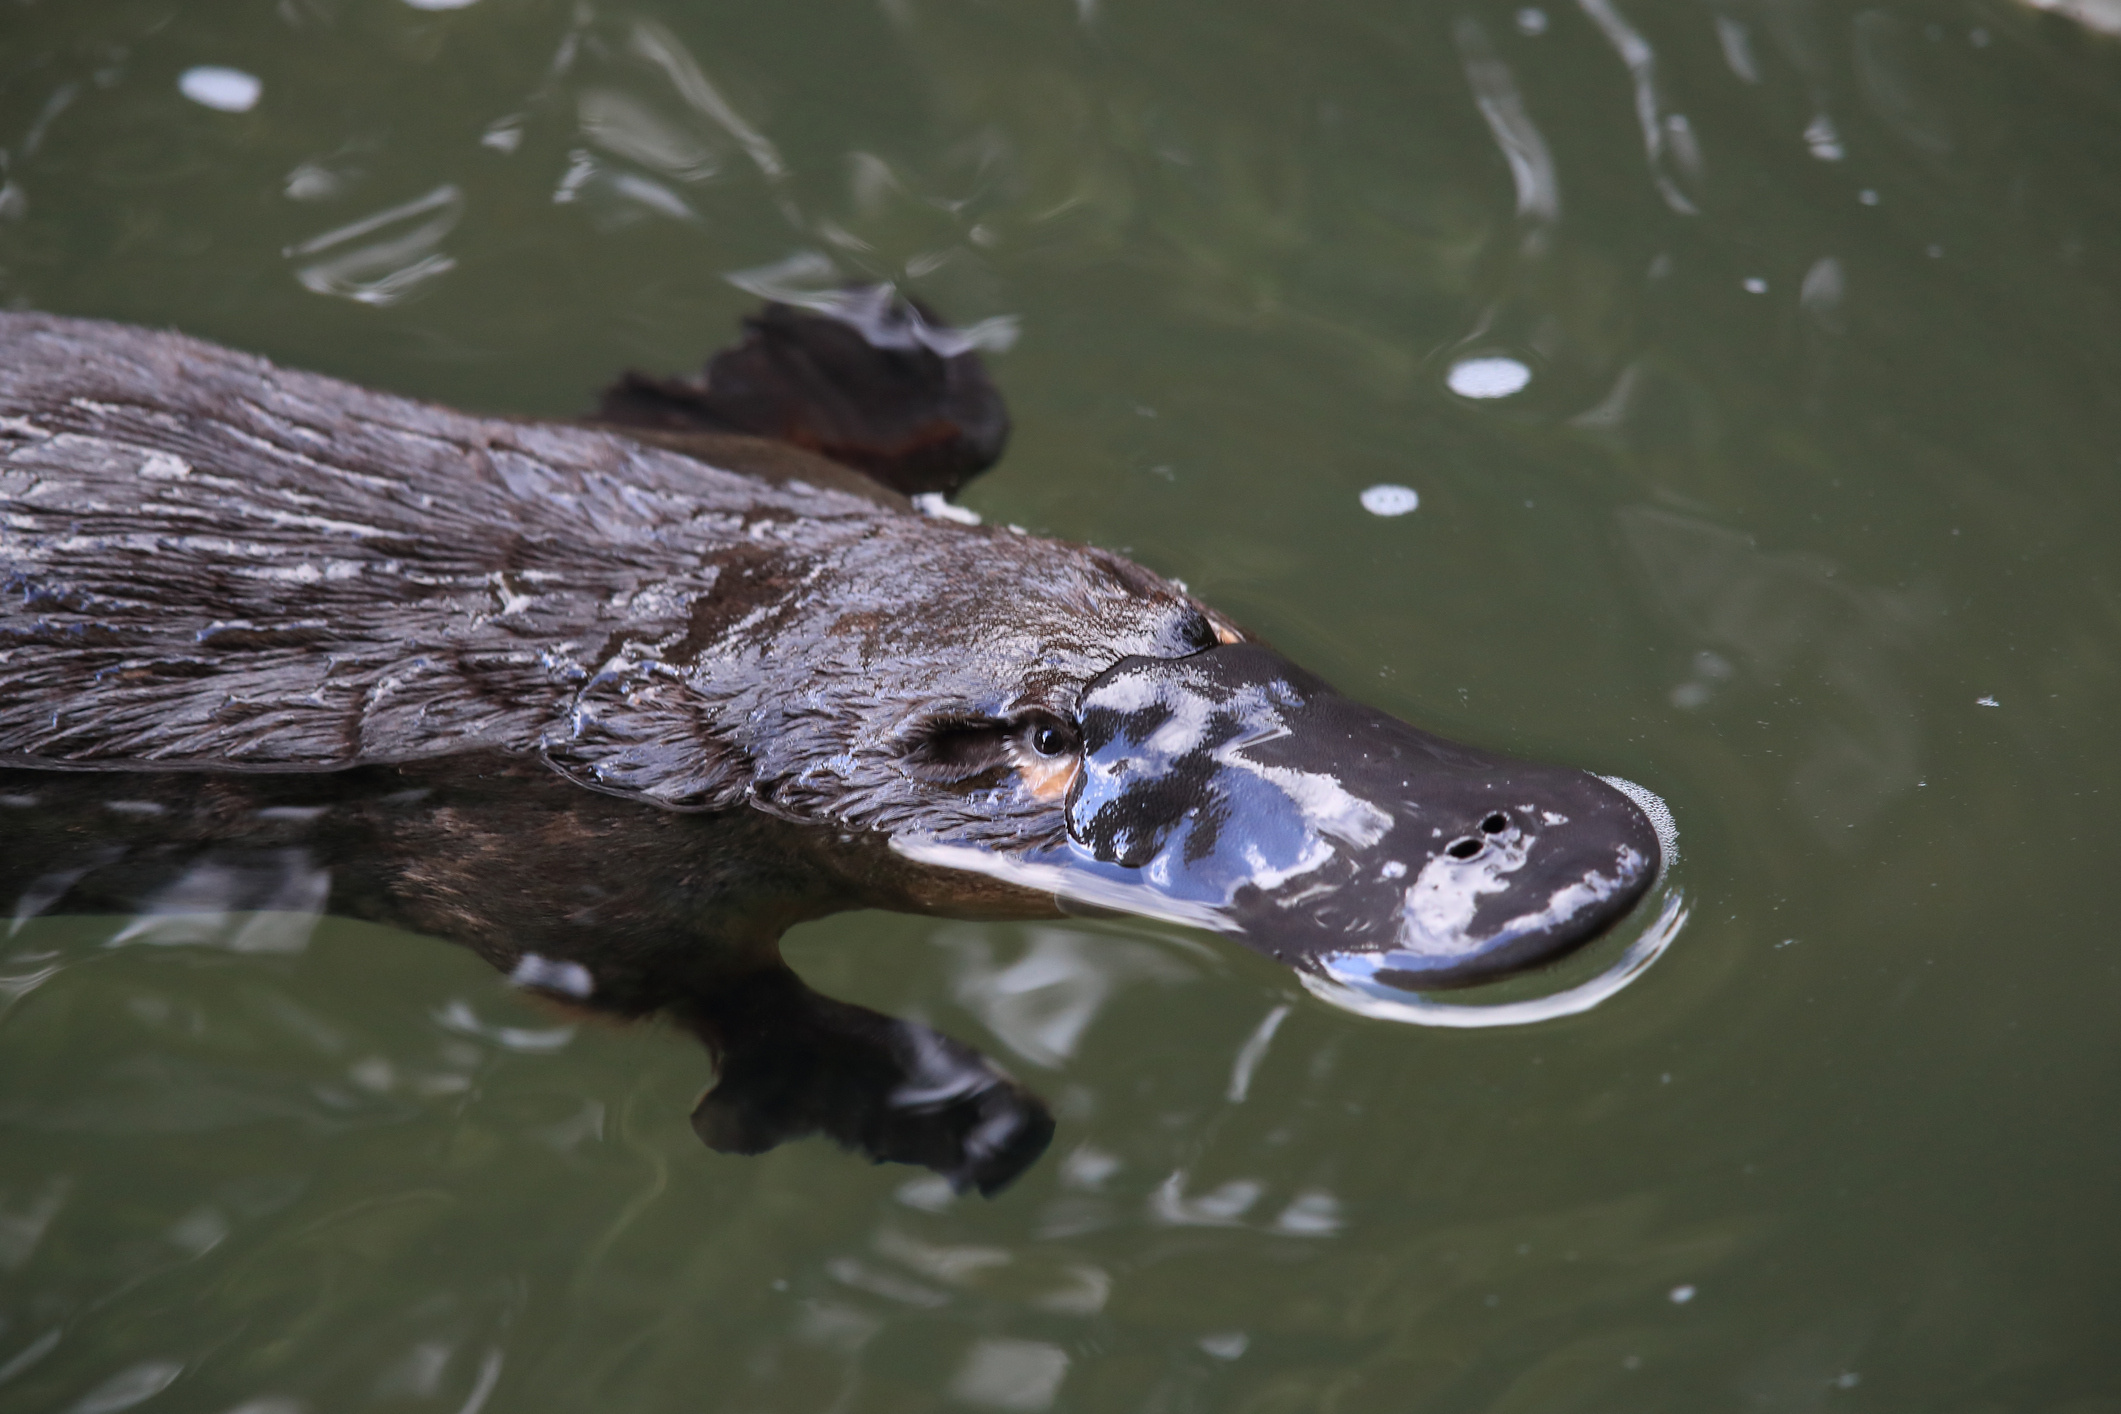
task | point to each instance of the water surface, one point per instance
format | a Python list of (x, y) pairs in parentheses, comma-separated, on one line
[(1754, 367)]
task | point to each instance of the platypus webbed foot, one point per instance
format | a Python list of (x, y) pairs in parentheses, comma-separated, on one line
[(794, 1063), (865, 378)]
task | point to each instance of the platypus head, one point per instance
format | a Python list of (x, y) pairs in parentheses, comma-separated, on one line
[(1033, 721), (1230, 789), (1233, 789)]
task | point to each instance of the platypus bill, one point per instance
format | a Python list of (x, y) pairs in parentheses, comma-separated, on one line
[(617, 704)]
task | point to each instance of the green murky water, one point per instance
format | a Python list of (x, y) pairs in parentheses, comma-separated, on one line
[(1806, 519)]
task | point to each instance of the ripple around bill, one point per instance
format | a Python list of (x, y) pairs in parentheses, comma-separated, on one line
[(1350, 981)]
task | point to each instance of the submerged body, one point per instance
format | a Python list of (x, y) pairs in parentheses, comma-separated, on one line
[(617, 717)]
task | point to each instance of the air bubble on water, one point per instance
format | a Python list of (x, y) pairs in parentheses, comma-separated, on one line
[(1386, 499), (1489, 376), (228, 90), (1824, 140), (1754, 285), (1682, 1294)]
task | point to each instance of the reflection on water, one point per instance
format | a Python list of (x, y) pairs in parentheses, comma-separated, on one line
[(1041, 1004), (283, 891), (1813, 454), (1531, 162), (1667, 137), (377, 259)]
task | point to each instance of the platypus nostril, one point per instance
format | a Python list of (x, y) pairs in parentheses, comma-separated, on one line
[(1464, 848), (1495, 824)]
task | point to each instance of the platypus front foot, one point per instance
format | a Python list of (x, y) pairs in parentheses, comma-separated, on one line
[(862, 376), (794, 1063)]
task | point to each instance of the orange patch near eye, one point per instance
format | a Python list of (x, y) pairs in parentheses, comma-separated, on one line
[(1227, 635), (1048, 780)]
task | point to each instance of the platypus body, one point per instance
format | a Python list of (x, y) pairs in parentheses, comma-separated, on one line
[(615, 708)]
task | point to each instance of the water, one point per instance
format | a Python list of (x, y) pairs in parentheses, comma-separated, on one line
[(1803, 517)]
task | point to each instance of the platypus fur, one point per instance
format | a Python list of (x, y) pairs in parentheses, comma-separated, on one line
[(616, 705)]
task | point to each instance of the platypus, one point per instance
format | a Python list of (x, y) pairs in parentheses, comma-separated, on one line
[(616, 705)]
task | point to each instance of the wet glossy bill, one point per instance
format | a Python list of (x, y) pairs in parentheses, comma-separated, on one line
[(1234, 789)]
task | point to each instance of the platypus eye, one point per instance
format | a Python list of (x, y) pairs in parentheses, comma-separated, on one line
[(1050, 737), (960, 748)]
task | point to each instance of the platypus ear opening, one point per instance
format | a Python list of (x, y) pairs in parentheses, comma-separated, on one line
[(954, 749)]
